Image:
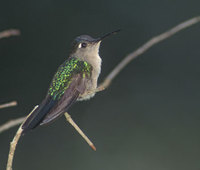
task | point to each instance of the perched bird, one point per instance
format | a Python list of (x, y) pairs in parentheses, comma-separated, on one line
[(76, 79)]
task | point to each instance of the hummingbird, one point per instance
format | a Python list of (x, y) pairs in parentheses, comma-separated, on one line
[(75, 80)]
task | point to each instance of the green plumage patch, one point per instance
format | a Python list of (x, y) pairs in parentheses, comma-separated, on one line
[(64, 74)]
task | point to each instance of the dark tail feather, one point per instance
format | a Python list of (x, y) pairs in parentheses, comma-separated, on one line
[(38, 115)]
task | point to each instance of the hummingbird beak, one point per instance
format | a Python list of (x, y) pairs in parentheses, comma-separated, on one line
[(106, 35)]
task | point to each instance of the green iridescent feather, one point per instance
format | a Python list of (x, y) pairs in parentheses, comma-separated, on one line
[(64, 74)]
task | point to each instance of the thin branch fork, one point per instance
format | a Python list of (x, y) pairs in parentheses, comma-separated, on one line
[(11, 123), (18, 134), (14, 142)]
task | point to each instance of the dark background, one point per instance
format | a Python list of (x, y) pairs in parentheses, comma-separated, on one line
[(148, 119)]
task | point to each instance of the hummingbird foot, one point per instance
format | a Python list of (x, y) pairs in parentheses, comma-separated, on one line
[(98, 89), (87, 95)]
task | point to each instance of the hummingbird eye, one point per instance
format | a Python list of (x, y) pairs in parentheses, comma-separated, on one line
[(83, 45)]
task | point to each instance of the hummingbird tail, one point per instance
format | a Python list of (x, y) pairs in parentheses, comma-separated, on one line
[(38, 115)]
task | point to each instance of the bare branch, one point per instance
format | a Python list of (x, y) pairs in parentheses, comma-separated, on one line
[(8, 33), (11, 123), (153, 41), (14, 142), (18, 121), (17, 136), (10, 104), (70, 120), (13, 145)]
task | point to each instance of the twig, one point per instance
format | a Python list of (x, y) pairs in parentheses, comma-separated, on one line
[(13, 145), (11, 123), (70, 120), (153, 41), (8, 33), (10, 104), (14, 142)]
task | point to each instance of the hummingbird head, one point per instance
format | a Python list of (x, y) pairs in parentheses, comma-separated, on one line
[(85, 46)]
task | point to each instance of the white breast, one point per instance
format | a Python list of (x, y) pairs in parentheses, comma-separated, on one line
[(95, 61)]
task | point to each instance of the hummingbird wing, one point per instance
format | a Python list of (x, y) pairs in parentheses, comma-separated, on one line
[(68, 82), (70, 96)]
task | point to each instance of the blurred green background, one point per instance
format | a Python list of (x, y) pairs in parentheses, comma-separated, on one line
[(148, 119)]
